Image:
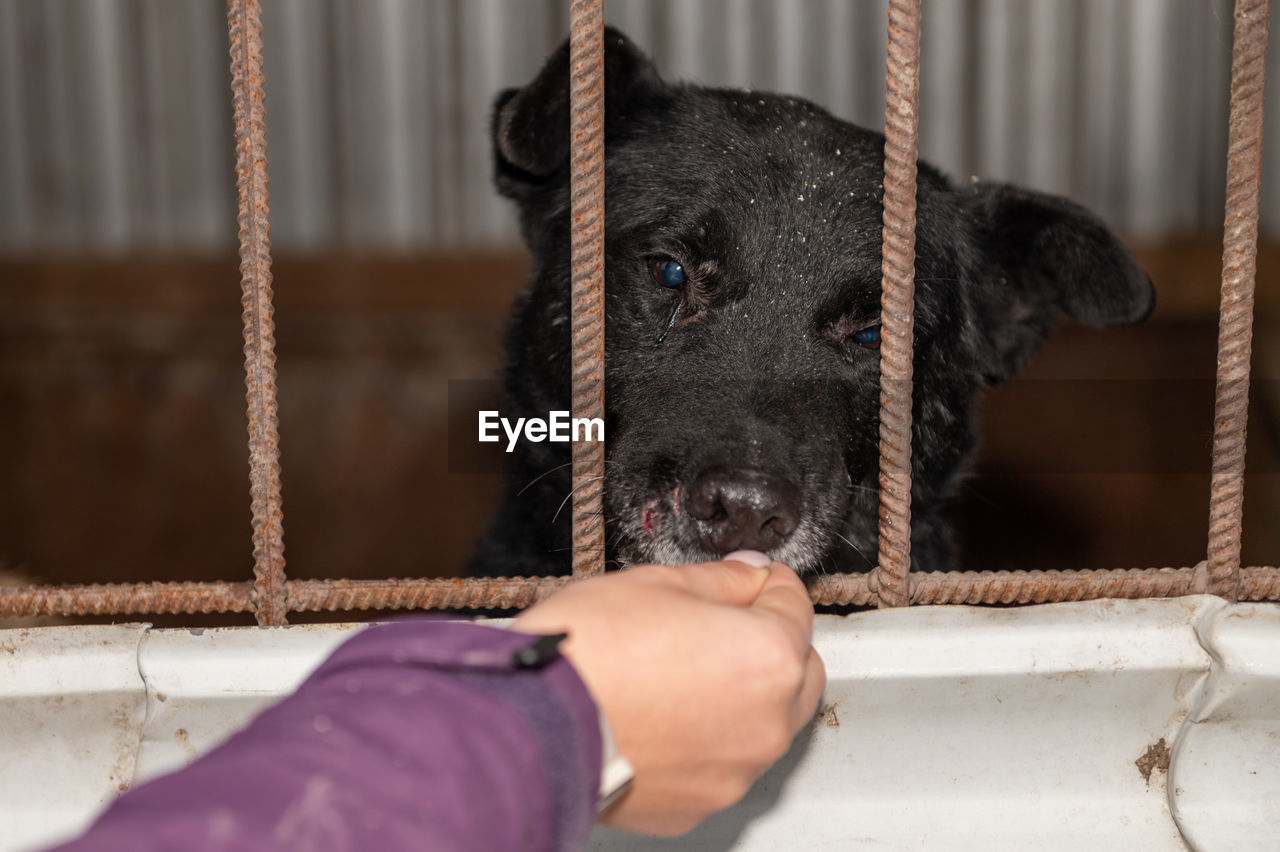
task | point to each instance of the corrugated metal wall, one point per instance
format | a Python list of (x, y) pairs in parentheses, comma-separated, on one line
[(115, 119)]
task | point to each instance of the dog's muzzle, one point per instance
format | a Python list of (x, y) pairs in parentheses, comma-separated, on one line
[(742, 508)]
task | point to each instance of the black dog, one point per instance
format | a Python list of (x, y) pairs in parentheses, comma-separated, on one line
[(742, 307)]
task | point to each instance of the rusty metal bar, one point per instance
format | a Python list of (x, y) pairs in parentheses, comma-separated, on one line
[(954, 587), (478, 593), (586, 170), (302, 596), (897, 301), (244, 19), (127, 599), (1221, 575), (978, 588)]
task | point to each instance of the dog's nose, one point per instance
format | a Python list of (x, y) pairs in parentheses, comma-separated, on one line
[(738, 509)]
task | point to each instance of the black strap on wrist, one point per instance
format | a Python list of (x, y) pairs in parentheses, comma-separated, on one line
[(538, 653)]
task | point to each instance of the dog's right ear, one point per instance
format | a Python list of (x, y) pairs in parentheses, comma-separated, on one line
[(531, 125)]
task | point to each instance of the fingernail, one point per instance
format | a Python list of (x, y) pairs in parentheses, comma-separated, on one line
[(750, 557)]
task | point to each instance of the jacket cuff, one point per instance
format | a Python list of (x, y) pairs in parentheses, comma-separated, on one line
[(523, 672)]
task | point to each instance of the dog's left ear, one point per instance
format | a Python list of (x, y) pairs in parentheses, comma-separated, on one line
[(531, 125), (1039, 255)]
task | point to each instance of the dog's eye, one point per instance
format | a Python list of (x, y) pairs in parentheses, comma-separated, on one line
[(869, 337), (666, 271)]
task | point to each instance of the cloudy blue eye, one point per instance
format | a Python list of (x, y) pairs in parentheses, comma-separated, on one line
[(868, 337), (666, 271)]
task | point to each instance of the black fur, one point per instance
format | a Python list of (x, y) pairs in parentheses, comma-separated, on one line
[(753, 421)]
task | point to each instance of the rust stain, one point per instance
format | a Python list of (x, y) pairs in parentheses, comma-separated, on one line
[(183, 739), (829, 717), (126, 721), (1154, 759)]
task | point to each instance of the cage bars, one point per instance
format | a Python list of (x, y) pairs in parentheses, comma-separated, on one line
[(586, 177), (897, 300), (926, 587), (1221, 574), (244, 20), (270, 596)]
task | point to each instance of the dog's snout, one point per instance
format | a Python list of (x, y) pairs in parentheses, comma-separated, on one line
[(742, 508)]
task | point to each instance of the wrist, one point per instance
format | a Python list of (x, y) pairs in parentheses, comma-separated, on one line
[(616, 772)]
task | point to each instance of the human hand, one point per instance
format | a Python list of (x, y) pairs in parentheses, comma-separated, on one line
[(705, 673)]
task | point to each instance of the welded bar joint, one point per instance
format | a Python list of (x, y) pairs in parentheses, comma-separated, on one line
[(586, 108), (244, 19)]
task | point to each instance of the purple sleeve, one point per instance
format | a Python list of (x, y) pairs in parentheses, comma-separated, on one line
[(413, 735)]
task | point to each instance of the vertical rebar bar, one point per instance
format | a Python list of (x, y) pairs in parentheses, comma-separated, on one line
[(897, 301), (1235, 316), (586, 107), (244, 18)]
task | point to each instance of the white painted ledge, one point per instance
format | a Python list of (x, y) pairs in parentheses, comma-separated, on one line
[(944, 728)]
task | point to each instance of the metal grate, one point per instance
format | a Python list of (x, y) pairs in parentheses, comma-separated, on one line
[(270, 596)]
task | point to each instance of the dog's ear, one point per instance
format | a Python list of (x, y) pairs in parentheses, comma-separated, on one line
[(531, 125), (1040, 255)]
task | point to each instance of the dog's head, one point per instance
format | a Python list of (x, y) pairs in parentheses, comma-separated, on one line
[(742, 287)]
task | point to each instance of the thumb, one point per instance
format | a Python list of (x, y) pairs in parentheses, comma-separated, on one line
[(735, 581)]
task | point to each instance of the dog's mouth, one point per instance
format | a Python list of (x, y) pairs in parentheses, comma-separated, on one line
[(722, 509)]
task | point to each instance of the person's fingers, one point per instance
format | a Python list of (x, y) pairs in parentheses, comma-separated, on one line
[(730, 583), (811, 688), (785, 599), (751, 557)]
